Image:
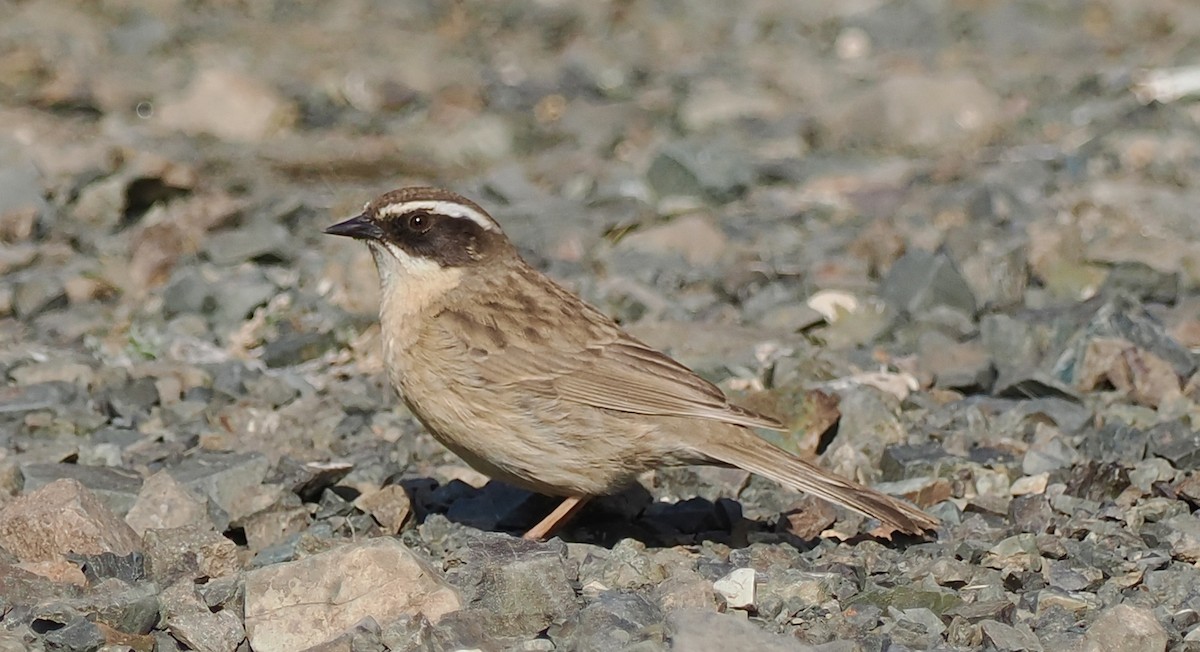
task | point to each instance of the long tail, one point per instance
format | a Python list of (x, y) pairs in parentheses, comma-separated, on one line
[(752, 453)]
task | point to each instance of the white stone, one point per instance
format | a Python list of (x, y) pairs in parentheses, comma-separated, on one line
[(737, 588)]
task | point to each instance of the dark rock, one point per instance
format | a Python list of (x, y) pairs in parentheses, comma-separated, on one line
[(907, 597), (20, 589), (716, 170), (30, 398), (1115, 442), (288, 349), (116, 488), (78, 635), (1031, 513), (38, 294), (365, 636), (997, 610), (687, 516), (189, 293), (955, 365), (920, 281), (132, 400), (1011, 345), (1177, 442), (260, 241), (129, 568), (1036, 384), (698, 630), (308, 480), (227, 593), (1121, 318), (1142, 281), (906, 461), (125, 607), (614, 620), (524, 586), (1009, 638), (497, 506)]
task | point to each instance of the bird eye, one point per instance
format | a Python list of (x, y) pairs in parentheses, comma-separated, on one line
[(419, 222)]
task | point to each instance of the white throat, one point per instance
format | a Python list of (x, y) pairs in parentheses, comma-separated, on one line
[(409, 288)]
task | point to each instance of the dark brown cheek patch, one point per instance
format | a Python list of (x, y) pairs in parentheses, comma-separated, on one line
[(451, 242)]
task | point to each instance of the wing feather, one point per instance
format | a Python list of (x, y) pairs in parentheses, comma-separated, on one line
[(593, 362)]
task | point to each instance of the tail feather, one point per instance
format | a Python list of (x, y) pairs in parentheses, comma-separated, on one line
[(761, 457)]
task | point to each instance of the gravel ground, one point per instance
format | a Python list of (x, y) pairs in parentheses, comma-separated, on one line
[(953, 244)]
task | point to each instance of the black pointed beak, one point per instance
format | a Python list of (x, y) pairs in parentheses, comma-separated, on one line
[(360, 227)]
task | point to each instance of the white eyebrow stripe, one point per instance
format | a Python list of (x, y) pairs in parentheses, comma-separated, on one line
[(447, 208)]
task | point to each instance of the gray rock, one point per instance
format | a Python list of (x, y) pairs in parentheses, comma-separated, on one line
[(189, 292), (289, 348), (59, 518), (365, 636), (907, 461), (38, 293), (259, 241), (407, 633), (1139, 280), (996, 610), (116, 488), (916, 628), (21, 187), (191, 622), (927, 113), (1011, 345), (227, 593), (524, 586), (1031, 513), (231, 480), (19, 639), (125, 607), (695, 630), (614, 620), (240, 295), (302, 603), (129, 568), (716, 170), (955, 365), (163, 502), (921, 281), (1177, 442), (192, 552), (1049, 451), (77, 635), (133, 400), (908, 597), (1126, 628), (1115, 442), (30, 398), (1010, 638), (23, 590), (1121, 318)]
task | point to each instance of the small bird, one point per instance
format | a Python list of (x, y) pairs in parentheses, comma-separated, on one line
[(532, 386)]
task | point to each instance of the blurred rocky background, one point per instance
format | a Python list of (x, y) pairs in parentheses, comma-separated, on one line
[(953, 243)]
